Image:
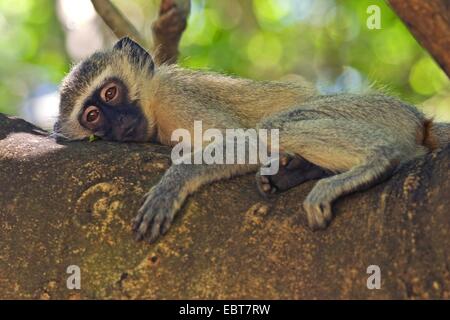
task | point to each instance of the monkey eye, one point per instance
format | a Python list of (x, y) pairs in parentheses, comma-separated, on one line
[(110, 92), (91, 115)]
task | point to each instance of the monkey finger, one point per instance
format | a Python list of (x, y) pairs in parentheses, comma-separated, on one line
[(148, 212), (136, 221), (166, 225), (144, 226), (155, 229), (141, 232), (138, 236), (144, 197)]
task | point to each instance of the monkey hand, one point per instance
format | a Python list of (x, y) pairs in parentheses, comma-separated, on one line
[(156, 214)]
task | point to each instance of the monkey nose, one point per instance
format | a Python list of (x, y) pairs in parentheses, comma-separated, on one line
[(125, 133)]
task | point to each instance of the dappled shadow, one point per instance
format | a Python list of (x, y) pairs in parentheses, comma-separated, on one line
[(11, 124)]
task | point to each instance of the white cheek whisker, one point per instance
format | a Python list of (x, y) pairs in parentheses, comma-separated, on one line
[(53, 134)]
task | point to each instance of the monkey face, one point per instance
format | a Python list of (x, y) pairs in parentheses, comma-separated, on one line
[(109, 114), (105, 95)]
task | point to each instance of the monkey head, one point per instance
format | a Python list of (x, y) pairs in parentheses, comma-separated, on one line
[(104, 96)]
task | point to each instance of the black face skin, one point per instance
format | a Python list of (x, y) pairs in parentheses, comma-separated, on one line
[(109, 114)]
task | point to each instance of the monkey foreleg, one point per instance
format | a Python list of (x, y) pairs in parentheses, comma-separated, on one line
[(166, 198)]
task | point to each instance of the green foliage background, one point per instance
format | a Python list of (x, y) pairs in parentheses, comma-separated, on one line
[(261, 39)]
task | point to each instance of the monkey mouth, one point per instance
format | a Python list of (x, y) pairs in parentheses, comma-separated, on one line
[(136, 132), (130, 132)]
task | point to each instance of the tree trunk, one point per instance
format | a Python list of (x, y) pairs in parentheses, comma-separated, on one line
[(429, 22), (72, 203)]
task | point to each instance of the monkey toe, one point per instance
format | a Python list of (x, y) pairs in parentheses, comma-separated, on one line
[(290, 161), (293, 170), (319, 214), (270, 184), (264, 185)]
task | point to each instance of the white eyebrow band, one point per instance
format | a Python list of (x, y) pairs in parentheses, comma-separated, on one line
[(94, 85)]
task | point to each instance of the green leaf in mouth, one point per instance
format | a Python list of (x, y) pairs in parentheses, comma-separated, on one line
[(93, 137)]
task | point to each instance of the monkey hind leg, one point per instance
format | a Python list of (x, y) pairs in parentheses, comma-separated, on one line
[(360, 153), (379, 165), (293, 170)]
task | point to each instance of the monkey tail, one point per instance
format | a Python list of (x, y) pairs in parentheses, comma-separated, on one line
[(435, 134)]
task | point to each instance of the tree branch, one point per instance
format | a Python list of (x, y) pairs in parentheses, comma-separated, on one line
[(429, 22), (72, 204), (116, 21), (168, 29)]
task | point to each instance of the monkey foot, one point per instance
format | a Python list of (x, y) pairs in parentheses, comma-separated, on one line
[(293, 170)]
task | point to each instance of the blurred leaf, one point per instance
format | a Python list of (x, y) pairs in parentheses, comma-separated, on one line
[(261, 39), (426, 77)]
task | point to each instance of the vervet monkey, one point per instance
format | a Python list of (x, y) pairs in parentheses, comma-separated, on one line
[(348, 141)]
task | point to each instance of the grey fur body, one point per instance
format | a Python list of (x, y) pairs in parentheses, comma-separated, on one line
[(350, 141)]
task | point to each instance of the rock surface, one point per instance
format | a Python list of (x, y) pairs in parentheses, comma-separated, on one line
[(72, 203)]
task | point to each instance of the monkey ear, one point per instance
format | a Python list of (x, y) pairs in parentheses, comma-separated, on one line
[(127, 42), (136, 52)]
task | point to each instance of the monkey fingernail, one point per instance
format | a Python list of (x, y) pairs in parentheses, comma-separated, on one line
[(166, 226), (153, 235), (135, 226), (138, 237)]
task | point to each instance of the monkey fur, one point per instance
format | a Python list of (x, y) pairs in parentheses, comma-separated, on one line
[(350, 142)]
